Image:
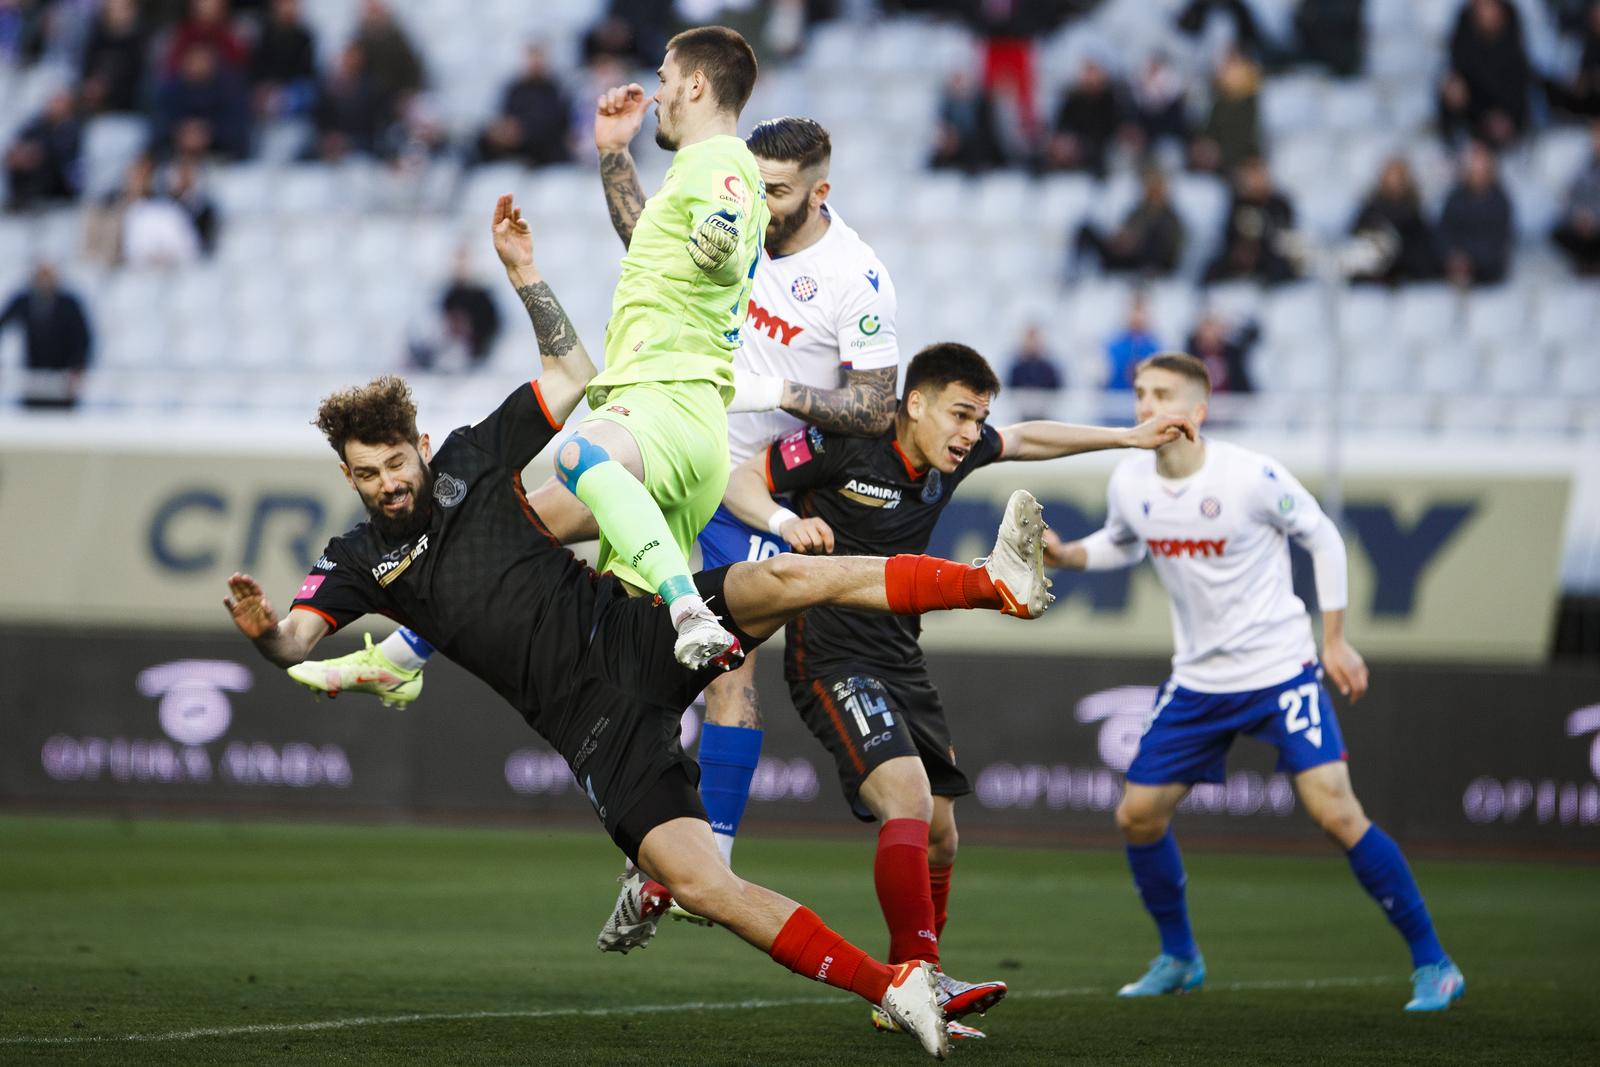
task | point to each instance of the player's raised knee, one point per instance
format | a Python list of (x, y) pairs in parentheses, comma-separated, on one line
[(1140, 823)]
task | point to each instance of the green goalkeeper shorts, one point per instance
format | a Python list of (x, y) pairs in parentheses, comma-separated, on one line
[(681, 429)]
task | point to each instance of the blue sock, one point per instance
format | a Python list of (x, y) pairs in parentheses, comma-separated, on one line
[(1158, 874), (418, 644), (728, 758), (1383, 873)]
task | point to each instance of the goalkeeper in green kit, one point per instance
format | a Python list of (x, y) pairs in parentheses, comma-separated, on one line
[(651, 459)]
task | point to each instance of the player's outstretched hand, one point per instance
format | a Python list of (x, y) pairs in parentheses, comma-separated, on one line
[(513, 238), (618, 114), (1163, 429), (252, 611), (808, 536), (1344, 665)]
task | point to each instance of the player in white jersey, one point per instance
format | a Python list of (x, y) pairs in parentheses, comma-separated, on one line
[(1215, 520)]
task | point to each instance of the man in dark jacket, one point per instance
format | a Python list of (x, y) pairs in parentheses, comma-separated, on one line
[(56, 340), (1149, 239), (1485, 93), (1475, 229)]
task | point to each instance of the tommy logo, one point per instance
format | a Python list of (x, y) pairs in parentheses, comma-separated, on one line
[(874, 496), (774, 327), (1169, 547)]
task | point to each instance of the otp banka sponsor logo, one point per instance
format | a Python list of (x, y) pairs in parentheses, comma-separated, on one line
[(1545, 801), (1123, 715), (541, 772), (193, 711)]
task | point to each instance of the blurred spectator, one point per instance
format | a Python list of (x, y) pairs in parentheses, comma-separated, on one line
[(56, 339), (535, 120), (391, 62), (1580, 94), (468, 324), (1331, 34), (1149, 240), (1394, 211), (24, 31), (612, 37), (965, 137), (1007, 29), (1128, 346), (155, 230), (1160, 103), (1485, 91), (208, 26), (1086, 123), (187, 189), (1232, 130), (283, 66), (112, 71), (1578, 232), (1224, 351), (1475, 229), (1257, 220), (1246, 32), (651, 24), (417, 134), (1035, 375), (350, 113), (44, 163), (203, 109)]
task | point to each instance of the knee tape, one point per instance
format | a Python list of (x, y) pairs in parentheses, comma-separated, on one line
[(589, 454)]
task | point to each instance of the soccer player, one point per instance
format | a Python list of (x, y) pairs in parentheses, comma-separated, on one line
[(860, 681), (453, 549), (1215, 520), (820, 348), (651, 460)]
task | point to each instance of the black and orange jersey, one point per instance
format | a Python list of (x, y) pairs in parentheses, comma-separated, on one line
[(878, 505)]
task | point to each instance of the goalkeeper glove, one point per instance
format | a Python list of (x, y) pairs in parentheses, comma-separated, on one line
[(714, 241)]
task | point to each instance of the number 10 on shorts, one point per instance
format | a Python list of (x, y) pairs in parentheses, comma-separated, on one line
[(1300, 711)]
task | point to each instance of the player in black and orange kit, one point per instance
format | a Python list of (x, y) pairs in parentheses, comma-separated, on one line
[(454, 550), (860, 681)]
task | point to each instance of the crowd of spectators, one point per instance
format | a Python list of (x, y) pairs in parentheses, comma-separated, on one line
[(1488, 98)]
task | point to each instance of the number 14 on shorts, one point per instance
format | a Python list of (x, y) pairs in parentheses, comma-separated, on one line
[(863, 700)]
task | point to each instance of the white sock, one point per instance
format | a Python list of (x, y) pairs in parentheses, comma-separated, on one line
[(683, 607), (725, 846), (400, 652)]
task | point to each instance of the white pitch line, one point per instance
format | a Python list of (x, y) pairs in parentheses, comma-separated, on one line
[(635, 1009)]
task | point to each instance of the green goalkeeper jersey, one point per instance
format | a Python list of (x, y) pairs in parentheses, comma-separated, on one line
[(671, 319)]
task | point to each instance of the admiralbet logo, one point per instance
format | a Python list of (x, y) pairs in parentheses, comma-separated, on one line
[(877, 496), (391, 568)]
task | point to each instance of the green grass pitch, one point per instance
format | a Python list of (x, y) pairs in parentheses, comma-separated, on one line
[(133, 942)]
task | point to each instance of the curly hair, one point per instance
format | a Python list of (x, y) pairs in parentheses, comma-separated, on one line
[(378, 413)]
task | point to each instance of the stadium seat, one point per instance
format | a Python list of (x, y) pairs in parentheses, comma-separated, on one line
[(1514, 366), (1377, 363), (1472, 416), (1577, 371), (1292, 104), (1568, 313), (110, 144), (1425, 313), (1540, 417), (1364, 311), (1351, 107), (1305, 365), (1201, 201), (1065, 201), (1291, 313), (243, 190), (1497, 314), (1448, 368)]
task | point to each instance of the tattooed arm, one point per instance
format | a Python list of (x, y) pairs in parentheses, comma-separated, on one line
[(567, 366), (624, 194), (864, 406), (618, 114)]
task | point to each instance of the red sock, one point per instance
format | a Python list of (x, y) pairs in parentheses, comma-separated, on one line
[(939, 882), (918, 584), (900, 873), (807, 947)]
